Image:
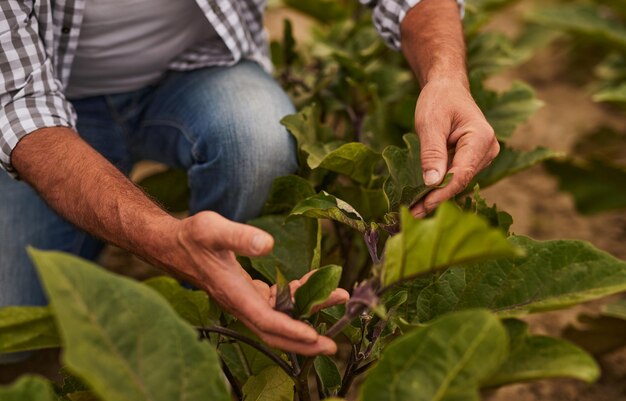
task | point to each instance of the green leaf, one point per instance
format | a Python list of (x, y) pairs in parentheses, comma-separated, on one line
[(328, 374), (370, 203), (327, 206), (316, 290), (510, 162), (193, 306), (315, 140), (616, 94), (27, 388), (541, 357), (505, 111), (286, 192), (496, 218), (582, 19), (353, 159), (553, 275), (445, 360), (615, 309), (451, 237), (170, 188), (321, 10), (295, 243), (271, 384), (122, 338), (491, 52), (405, 184), (596, 186), (25, 328)]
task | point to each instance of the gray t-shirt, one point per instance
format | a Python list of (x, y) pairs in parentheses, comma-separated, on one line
[(126, 45)]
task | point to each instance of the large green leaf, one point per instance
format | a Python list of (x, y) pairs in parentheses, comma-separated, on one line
[(451, 237), (27, 328), (541, 357), (596, 186), (123, 339), (506, 110), (553, 275), (170, 188), (490, 52), (496, 218), (448, 359), (286, 192), (295, 244), (405, 184), (316, 290), (353, 159), (510, 162), (193, 306), (28, 388), (271, 384), (370, 203), (582, 19), (327, 206)]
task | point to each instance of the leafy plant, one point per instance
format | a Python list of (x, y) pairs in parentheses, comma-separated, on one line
[(431, 316)]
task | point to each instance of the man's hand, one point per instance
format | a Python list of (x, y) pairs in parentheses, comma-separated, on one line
[(448, 121), (209, 243), (454, 135)]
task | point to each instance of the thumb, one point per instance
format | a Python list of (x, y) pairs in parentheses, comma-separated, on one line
[(243, 239), (434, 157)]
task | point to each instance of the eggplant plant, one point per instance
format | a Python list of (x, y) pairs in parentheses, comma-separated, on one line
[(435, 303)]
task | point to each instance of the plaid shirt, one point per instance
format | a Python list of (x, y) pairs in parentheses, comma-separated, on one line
[(38, 40)]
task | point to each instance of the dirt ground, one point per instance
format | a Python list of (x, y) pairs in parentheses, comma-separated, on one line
[(539, 210)]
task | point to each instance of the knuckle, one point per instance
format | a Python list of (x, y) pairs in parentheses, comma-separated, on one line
[(432, 154)]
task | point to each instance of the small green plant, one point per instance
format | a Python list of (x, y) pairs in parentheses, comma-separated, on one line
[(435, 302)]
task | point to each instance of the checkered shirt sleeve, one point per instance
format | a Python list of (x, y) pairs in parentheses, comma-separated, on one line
[(388, 15), (30, 95)]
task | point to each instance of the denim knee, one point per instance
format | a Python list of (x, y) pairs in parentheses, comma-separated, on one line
[(235, 169)]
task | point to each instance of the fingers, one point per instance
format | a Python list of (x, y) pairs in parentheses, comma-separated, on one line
[(474, 151), (433, 152), (240, 238), (337, 297)]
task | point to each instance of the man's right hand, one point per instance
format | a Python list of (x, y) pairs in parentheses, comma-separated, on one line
[(209, 243)]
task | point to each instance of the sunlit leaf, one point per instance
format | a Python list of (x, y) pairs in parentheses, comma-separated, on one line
[(353, 159), (448, 359), (118, 347), (541, 357), (451, 237)]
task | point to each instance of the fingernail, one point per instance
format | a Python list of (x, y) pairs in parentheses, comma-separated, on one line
[(432, 177), (260, 242)]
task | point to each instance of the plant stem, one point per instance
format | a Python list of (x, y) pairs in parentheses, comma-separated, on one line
[(348, 374), (255, 344), (234, 383)]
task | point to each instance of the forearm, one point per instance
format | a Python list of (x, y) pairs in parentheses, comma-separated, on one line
[(433, 43), (87, 190)]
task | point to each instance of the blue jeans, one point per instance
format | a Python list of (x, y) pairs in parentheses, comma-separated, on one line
[(220, 124)]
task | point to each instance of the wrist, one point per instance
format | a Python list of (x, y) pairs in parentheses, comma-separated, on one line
[(447, 77)]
